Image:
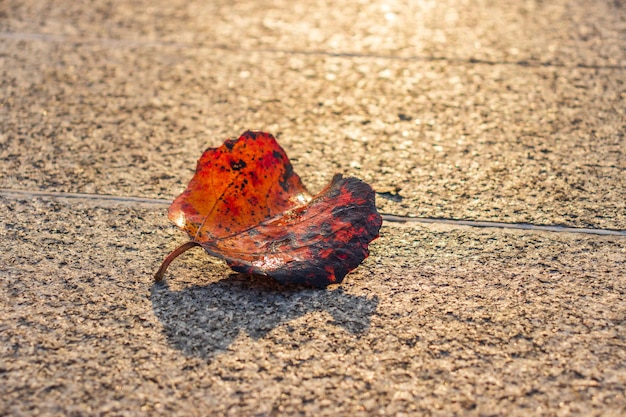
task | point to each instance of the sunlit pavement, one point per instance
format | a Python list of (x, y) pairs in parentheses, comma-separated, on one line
[(461, 114)]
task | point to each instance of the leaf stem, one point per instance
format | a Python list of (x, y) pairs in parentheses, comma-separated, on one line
[(173, 255)]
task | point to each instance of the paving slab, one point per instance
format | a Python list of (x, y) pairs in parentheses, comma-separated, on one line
[(472, 141), (500, 111), (438, 320), (584, 32), (493, 111)]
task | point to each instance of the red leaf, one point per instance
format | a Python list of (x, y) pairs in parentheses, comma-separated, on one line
[(246, 205)]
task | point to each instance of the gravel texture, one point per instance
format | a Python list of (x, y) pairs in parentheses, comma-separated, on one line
[(496, 111), (438, 320)]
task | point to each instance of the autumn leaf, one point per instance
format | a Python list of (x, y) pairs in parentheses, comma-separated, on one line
[(246, 205)]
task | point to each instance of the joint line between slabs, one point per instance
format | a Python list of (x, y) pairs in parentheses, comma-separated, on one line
[(389, 218), (120, 42)]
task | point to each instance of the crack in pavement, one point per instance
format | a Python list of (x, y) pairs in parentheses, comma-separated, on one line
[(388, 218), (113, 42)]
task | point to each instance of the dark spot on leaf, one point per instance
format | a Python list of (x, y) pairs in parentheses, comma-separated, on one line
[(284, 181), (250, 135), (237, 165), (308, 236)]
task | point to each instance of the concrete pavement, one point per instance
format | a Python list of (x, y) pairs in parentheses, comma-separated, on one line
[(497, 111)]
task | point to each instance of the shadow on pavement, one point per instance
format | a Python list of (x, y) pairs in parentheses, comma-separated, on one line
[(204, 320)]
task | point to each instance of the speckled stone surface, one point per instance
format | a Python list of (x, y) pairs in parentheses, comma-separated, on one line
[(487, 138), (438, 320), (499, 111)]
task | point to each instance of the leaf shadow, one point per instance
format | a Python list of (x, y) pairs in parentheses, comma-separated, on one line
[(204, 320)]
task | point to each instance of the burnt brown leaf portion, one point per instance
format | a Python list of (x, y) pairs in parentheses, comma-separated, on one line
[(246, 205), (316, 244)]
